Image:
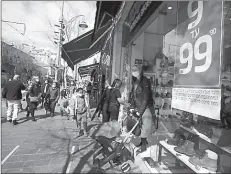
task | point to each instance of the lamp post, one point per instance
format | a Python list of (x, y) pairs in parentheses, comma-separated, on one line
[(82, 25)]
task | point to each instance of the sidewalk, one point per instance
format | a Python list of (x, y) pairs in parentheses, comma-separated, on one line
[(43, 146), (49, 145)]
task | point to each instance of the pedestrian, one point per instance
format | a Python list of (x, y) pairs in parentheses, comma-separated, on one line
[(72, 89), (63, 93), (45, 88), (53, 95), (81, 110), (142, 101), (33, 97), (113, 101), (12, 93)]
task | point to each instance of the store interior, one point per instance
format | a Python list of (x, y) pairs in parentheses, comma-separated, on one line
[(178, 130)]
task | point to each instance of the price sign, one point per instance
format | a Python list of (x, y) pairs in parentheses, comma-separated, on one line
[(198, 60)]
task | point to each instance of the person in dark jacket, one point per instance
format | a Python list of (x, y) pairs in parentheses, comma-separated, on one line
[(45, 88), (53, 94), (12, 93), (142, 101), (33, 97)]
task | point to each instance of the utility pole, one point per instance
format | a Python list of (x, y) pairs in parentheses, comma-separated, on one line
[(60, 40)]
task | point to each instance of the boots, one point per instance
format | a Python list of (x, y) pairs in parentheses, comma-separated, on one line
[(177, 140), (85, 129), (143, 146), (27, 114), (187, 148), (208, 161)]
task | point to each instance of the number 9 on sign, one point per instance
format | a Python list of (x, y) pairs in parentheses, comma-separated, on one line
[(207, 55)]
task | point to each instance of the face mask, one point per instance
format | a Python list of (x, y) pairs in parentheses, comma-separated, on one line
[(53, 86), (136, 74)]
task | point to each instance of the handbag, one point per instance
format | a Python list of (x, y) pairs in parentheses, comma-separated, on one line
[(34, 99)]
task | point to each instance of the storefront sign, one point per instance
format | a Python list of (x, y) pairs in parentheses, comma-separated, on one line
[(205, 102), (198, 60), (138, 10), (138, 15)]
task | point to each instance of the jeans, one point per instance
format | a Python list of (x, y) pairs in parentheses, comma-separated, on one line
[(13, 108)]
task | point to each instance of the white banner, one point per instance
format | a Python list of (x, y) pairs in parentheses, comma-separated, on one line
[(204, 102)]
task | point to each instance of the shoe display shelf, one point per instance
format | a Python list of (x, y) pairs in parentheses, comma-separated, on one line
[(179, 158), (205, 138)]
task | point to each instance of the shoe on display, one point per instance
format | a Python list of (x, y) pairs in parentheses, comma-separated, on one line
[(177, 140), (168, 95), (187, 148), (208, 161), (204, 129)]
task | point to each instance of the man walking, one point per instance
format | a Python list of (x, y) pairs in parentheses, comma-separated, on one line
[(12, 93), (45, 88), (53, 94)]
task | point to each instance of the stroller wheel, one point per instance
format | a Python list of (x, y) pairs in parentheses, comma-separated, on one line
[(96, 162), (125, 167)]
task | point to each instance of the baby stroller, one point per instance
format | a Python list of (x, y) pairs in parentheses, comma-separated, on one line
[(112, 144)]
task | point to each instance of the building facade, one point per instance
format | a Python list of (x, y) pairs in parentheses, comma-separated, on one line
[(184, 49), (14, 61)]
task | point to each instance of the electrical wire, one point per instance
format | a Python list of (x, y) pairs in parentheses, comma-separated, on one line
[(20, 33)]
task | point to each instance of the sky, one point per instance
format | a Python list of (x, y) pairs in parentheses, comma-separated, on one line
[(40, 18)]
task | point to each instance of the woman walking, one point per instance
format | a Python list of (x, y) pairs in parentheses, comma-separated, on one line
[(33, 97), (141, 99)]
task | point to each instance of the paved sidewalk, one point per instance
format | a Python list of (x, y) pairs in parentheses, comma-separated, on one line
[(46, 146)]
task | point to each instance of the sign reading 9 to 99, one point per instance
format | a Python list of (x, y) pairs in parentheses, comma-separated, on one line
[(199, 37)]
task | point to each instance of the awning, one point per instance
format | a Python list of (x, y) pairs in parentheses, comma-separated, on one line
[(84, 47), (86, 70), (105, 11)]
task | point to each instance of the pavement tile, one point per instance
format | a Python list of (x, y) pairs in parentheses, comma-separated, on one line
[(55, 161), (26, 151), (4, 153), (49, 169), (11, 141), (36, 163), (8, 147), (27, 157), (14, 165), (4, 171), (17, 170), (27, 170), (47, 150)]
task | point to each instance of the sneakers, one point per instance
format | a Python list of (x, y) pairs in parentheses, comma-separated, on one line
[(187, 148), (15, 122), (205, 161), (10, 121)]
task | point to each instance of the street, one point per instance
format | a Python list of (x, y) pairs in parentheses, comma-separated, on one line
[(49, 145)]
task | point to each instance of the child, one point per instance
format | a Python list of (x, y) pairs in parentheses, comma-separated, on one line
[(81, 110)]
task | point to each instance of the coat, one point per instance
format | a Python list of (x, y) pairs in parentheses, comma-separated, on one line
[(12, 90), (141, 99)]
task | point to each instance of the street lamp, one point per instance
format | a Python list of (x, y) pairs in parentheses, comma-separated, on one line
[(82, 25)]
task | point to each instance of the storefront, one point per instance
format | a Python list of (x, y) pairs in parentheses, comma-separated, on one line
[(184, 48)]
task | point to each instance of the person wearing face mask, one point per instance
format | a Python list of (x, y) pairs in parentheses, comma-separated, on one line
[(114, 101), (142, 101), (53, 94), (45, 87), (33, 97)]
